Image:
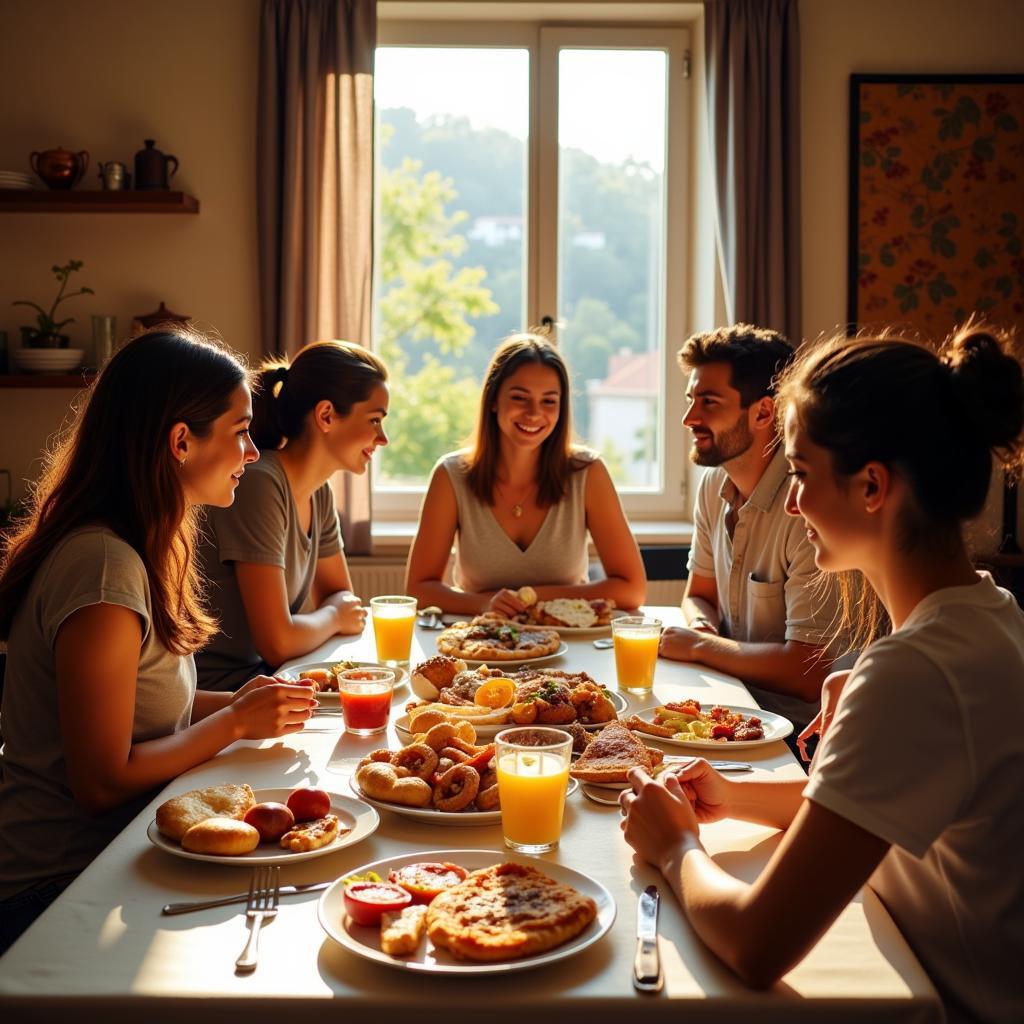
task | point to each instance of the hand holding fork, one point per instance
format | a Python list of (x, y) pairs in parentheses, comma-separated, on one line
[(264, 890)]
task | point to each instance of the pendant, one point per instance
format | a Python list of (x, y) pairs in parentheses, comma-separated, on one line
[(517, 511)]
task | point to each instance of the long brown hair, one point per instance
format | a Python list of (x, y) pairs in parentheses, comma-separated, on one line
[(558, 457), (341, 372), (935, 418), (114, 467)]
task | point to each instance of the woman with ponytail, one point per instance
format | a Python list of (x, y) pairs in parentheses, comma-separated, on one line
[(279, 583), (101, 608), (915, 786)]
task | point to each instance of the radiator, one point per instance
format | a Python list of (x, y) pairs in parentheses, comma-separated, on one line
[(372, 577)]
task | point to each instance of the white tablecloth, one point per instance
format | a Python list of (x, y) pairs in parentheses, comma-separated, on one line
[(104, 952)]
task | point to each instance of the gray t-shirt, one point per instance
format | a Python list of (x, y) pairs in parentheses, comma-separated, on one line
[(262, 527), (44, 833)]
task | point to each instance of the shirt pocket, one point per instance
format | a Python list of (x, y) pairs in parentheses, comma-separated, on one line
[(766, 611)]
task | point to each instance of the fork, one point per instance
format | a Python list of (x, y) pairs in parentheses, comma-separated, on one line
[(430, 618), (264, 890)]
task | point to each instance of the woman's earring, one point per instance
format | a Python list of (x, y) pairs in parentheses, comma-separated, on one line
[(182, 461)]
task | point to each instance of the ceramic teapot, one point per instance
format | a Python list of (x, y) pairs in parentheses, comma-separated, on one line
[(60, 168), (151, 168)]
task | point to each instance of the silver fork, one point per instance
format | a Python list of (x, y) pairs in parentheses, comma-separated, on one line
[(264, 890)]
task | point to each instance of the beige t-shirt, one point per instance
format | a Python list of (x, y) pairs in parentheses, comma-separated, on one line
[(926, 751), (262, 527), (769, 589), (44, 833), (487, 558)]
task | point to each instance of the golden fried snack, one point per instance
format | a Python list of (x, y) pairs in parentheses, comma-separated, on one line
[(457, 788), (381, 755), (401, 932), (176, 816), (424, 720), (225, 837), (418, 759), (382, 782), (311, 835)]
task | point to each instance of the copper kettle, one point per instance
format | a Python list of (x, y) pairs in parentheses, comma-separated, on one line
[(60, 168), (151, 168)]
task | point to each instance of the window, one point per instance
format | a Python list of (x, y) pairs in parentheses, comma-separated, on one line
[(528, 172)]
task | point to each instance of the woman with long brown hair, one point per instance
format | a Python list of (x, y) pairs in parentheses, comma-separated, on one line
[(101, 608), (279, 583), (520, 501), (915, 787)]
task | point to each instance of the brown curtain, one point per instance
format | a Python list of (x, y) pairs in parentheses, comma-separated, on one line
[(752, 50), (315, 190)]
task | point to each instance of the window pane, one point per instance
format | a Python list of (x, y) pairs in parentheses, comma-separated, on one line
[(611, 251), (452, 125)]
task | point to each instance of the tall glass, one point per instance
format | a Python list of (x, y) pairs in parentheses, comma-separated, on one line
[(636, 638), (393, 619), (365, 695), (533, 774)]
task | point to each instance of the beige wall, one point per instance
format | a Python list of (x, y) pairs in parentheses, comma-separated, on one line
[(102, 75)]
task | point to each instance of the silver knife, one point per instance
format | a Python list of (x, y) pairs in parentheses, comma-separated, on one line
[(239, 897), (647, 975)]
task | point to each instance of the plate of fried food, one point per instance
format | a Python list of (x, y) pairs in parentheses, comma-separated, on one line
[(324, 675), (495, 698), (689, 723), (570, 616), (443, 776), (491, 638), (234, 824), (466, 912)]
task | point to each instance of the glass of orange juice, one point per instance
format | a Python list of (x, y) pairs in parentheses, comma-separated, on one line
[(533, 774), (393, 619), (636, 640)]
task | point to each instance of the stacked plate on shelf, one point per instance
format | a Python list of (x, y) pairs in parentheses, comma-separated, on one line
[(48, 360), (18, 180)]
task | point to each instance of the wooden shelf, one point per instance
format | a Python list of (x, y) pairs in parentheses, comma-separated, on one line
[(80, 379), (85, 201)]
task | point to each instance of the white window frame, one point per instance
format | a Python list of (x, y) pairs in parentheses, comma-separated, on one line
[(543, 41)]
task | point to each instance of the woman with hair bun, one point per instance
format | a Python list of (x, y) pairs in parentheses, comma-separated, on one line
[(915, 786), (279, 583)]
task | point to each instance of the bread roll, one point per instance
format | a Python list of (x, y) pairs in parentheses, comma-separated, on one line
[(225, 837), (176, 816), (381, 782)]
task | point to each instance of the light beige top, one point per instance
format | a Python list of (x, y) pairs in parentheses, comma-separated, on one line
[(486, 557), (769, 589), (44, 833)]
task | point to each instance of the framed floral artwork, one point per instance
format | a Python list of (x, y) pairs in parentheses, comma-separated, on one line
[(936, 201)]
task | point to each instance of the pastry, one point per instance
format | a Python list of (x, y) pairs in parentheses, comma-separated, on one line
[(176, 816), (225, 837)]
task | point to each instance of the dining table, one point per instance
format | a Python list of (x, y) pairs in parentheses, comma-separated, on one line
[(104, 951)]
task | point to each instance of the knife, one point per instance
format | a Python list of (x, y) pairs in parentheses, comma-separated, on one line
[(647, 975), (240, 897)]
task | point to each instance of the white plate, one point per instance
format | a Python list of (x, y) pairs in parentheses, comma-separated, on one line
[(331, 696), (361, 820), (563, 647), (365, 941), (434, 817), (775, 728), (488, 732), (585, 632)]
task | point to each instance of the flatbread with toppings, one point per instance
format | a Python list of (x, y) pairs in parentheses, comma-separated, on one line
[(493, 638)]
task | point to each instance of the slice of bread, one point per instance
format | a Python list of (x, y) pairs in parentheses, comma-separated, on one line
[(176, 816), (609, 758)]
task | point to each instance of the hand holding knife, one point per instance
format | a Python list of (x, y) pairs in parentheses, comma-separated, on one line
[(647, 976)]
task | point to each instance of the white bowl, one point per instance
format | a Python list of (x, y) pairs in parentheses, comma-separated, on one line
[(48, 360)]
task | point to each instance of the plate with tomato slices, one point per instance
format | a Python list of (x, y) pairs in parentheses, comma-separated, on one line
[(773, 726)]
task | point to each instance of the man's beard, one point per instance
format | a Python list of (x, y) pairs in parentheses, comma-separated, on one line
[(728, 445)]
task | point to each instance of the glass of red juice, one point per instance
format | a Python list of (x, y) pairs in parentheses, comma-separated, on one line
[(366, 699)]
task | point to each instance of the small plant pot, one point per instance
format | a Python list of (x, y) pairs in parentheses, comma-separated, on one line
[(31, 338)]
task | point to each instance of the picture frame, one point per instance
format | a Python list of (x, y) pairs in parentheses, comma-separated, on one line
[(936, 202)]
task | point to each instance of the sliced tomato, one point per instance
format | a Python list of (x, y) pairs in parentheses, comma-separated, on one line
[(722, 730), (365, 902), (427, 879)]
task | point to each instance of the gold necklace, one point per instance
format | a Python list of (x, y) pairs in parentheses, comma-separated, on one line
[(517, 507)]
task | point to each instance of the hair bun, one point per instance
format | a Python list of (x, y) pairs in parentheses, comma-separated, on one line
[(989, 384), (280, 375)]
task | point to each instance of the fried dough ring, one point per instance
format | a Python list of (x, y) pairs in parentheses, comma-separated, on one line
[(382, 782), (454, 755), (465, 731), (427, 719), (457, 788), (417, 758), (440, 736), (487, 799), (381, 756)]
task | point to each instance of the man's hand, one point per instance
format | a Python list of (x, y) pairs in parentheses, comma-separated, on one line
[(680, 643), (349, 611)]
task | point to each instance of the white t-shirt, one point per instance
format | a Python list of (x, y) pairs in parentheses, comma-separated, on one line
[(926, 751)]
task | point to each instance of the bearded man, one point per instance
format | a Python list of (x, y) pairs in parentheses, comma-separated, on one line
[(755, 605)]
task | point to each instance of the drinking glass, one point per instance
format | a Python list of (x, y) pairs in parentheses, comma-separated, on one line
[(365, 695), (393, 619), (635, 638), (533, 773), (104, 339)]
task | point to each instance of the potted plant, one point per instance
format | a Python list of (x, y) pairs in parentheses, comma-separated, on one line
[(46, 332)]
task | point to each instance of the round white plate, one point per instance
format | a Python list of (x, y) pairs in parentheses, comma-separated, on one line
[(488, 732), (563, 648), (464, 819), (361, 820), (587, 632), (365, 941), (775, 728), (331, 696)]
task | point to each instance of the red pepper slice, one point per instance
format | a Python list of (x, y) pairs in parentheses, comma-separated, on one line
[(720, 730)]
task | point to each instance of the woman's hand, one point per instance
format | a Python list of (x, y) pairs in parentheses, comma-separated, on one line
[(351, 614), (706, 790), (505, 602), (266, 707), (831, 691), (657, 816)]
